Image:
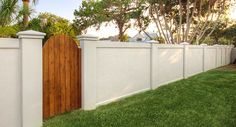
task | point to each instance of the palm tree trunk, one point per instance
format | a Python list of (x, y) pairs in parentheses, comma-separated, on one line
[(26, 16)]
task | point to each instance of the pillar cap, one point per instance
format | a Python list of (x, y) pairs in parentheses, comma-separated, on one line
[(203, 44), (87, 37), (31, 34), (153, 41), (184, 43)]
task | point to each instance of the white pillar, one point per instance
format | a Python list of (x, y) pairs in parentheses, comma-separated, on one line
[(204, 57), (31, 78), (88, 46), (185, 60)]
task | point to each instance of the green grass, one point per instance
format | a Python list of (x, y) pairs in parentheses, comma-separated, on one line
[(205, 100)]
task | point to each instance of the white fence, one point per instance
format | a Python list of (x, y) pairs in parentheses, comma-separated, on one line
[(115, 70), (21, 80), (110, 71)]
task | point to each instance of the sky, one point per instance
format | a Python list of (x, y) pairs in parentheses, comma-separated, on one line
[(65, 9)]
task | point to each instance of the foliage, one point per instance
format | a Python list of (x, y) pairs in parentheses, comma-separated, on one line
[(9, 31), (188, 19), (161, 40), (51, 25), (217, 33), (8, 10), (118, 11), (125, 38), (205, 100), (230, 33)]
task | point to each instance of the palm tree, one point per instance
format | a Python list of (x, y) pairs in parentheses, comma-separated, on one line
[(26, 10), (7, 10)]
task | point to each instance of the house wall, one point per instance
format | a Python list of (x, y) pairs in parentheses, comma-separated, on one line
[(21, 80), (113, 70)]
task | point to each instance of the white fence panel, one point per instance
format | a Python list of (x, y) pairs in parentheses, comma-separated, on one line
[(170, 63), (223, 56), (121, 71), (10, 88), (210, 58), (219, 57), (194, 60)]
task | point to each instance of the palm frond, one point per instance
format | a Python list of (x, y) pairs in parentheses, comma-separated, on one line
[(8, 9)]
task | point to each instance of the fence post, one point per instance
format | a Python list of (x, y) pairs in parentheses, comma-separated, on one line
[(154, 64), (88, 46), (31, 77), (185, 60), (204, 56)]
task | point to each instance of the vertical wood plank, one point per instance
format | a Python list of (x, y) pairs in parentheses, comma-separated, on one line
[(62, 74), (51, 77), (57, 74), (72, 73), (67, 53), (45, 82), (79, 78)]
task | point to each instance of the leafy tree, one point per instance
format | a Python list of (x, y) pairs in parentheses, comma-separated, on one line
[(118, 11), (52, 25), (186, 20), (217, 33), (230, 33)]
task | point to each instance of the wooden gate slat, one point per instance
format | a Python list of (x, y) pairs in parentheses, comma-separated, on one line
[(61, 76), (79, 77), (67, 53), (51, 78), (46, 104), (57, 75), (72, 77)]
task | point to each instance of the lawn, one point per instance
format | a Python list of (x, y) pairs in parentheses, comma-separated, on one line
[(204, 100)]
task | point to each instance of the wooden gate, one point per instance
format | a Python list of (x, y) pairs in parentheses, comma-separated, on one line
[(61, 76)]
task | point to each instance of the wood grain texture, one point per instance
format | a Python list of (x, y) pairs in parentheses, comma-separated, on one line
[(61, 76)]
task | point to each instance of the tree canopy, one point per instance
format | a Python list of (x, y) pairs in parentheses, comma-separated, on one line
[(176, 20), (118, 11)]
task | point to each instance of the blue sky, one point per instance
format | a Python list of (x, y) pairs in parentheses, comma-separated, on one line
[(63, 8)]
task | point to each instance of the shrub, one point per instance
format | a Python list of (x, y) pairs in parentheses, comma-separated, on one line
[(9, 31)]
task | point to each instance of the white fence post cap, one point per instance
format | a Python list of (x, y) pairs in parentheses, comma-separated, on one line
[(87, 37), (153, 41), (184, 43), (31, 34), (203, 44)]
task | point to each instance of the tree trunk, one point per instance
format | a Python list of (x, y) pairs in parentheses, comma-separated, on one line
[(26, 16), (121, 33)]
